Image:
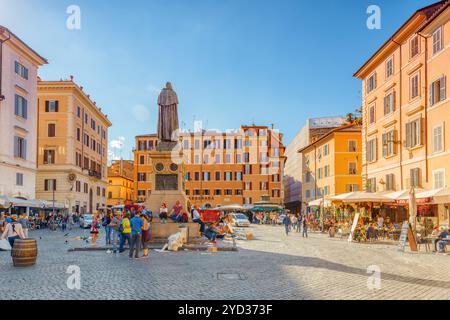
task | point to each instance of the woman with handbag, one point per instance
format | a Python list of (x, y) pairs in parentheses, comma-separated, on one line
[(145, 233), (13, 231), (95, 226)]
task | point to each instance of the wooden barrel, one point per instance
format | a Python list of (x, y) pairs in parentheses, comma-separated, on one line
[(24, 252)]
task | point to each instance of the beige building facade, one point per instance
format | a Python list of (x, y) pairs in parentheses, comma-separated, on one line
[(72, 147)]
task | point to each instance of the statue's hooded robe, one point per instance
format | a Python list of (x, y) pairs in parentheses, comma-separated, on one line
[(167, 113)]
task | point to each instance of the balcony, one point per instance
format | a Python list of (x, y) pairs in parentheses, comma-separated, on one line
[(95, 174)]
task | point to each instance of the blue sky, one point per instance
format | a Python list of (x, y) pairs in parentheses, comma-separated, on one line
[(231, 62)]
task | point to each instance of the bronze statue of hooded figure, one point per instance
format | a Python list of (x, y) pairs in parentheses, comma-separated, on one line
[(167, 113)]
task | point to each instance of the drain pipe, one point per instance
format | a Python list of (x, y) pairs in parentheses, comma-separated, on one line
[(2, 31)]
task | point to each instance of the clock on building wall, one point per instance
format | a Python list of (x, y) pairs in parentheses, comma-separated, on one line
[(159, 167), (72, 177)]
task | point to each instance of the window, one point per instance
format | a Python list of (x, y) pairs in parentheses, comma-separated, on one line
[(414, 47), (248, 169), (371, 83), (186, 144), (206, 176), (141, 193), (78, 112), (78, 186), (248, 186), (319, 173), (389, 106), (437, 91), (352, 168), (372, 150), (388, 140), (51, 106), (93, 124), (141, 159), (20, 106), (390, 180), (142, 176), (197, 176), (415, 178), (439, 179), (228, 192), (206, 192), (372, 185), (197, 159), (372, 114), (218, 158), (263, 186), (187, 176), (438, 139), (50, 184), (437, 40), (86, 188), (389, 67), (19, 179), (264, 169), (264, 157), (228, 144), (351, 145), (327, 171), (307, 194), (238, 158), (414, 86), (238, 176), (238, 192), (49, 156), (351, 188), (414, 133), (21, 70), (326, 150), (205, 159), (275, 178), (206, 144), (217, 192), (51, 130), (78, 134), (217, 175), (228, 158), (20, 147), (307, 177), (326, 190), (227, 176), (275, 193), (247, 157), (238, 144)]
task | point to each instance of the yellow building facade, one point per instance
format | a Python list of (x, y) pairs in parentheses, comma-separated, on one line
[(120, 183), (406, 114), (332, 164), (72, 147)]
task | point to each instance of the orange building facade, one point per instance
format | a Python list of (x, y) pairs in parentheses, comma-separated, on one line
[(120, 183), (236, 167), (406, 114)]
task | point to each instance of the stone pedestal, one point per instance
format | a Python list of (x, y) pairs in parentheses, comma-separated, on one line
[(167, 178)]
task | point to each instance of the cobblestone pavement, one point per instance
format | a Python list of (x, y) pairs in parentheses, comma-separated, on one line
[(272, 266)]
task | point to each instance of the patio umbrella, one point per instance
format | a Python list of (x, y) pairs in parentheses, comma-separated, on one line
[(412, 208)]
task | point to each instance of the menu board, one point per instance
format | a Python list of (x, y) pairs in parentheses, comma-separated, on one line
[(407, 235)]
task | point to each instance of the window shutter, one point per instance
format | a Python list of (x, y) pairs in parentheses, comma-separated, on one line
[(392, 97), (45, 157), (421, 130), (385, 146), (16, 146), (47, 106), (56, 106), (24, 149), (25, 109), (16, 105), (431, 94), (395, 140), (375, 80), (408, 135), (442, 89)]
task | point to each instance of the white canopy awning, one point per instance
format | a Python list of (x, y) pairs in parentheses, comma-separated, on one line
[(357, 197), (230, 207), (318, 203)]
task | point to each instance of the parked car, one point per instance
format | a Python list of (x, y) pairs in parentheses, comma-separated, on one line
[(240, 220), (86, 221)]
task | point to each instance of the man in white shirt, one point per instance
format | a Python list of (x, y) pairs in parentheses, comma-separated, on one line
[(197, 218)]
